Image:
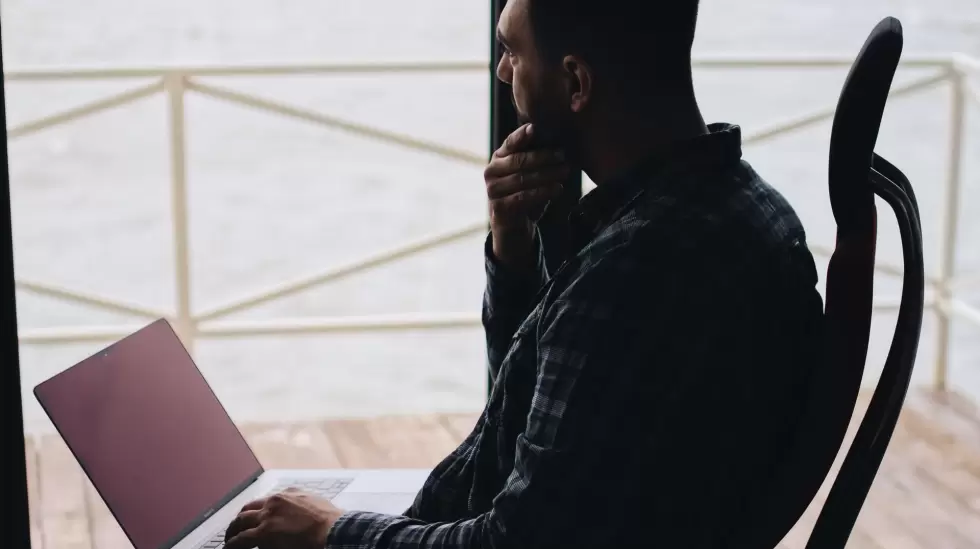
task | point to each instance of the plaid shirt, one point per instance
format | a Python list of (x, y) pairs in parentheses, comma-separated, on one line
[(642, 391)]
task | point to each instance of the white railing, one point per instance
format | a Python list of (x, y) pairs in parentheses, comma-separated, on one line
[(192, 324)]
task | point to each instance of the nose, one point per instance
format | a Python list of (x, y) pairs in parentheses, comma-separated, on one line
[(505, 71)]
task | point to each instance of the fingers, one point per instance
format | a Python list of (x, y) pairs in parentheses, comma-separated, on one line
[(518, 140), (523, 161), (253, 505), (247, 539), (524, 200), (514, 183), (521, 181), (246, 520)]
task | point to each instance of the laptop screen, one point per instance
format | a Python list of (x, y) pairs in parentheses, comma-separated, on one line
[(151, 435)]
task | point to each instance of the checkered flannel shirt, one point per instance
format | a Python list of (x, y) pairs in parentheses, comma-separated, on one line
[(643, 390)]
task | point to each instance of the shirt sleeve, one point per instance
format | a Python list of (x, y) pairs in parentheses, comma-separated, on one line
[(664, 389), (507, 299), (582, 357)]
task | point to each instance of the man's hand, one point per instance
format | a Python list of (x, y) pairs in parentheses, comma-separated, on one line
[(289, 520), (520, 181)]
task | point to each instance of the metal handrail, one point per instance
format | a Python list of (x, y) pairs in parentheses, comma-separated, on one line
[(211, 322), (40, 74)]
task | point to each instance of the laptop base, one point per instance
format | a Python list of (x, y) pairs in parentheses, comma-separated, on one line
[(389, 491)]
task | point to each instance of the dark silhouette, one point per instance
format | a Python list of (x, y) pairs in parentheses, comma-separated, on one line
[(644, 389)]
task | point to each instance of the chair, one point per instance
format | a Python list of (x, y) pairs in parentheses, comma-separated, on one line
[(856, 175)]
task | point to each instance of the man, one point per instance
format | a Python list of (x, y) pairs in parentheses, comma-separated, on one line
[(644, 390)]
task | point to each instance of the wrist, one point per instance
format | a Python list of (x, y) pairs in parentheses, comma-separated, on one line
[(326, 525), (514, 247)]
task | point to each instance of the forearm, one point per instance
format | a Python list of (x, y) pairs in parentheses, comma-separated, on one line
[(508, 298), (544, 500), (365, 530)]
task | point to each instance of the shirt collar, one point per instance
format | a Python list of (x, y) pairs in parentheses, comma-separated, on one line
[(721, 145)]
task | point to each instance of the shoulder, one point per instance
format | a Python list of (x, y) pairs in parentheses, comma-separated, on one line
[(716, 224)]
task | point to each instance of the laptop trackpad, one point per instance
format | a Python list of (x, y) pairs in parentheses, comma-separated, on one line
[(389, 504)]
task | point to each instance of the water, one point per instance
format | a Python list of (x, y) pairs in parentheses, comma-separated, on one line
[(271, 199)]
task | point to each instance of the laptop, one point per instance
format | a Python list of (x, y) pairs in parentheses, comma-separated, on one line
[(166, 458)]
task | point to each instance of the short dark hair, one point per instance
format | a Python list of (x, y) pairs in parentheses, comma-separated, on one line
[(627, 39)]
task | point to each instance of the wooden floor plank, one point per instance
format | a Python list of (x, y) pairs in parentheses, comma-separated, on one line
[(946, 486), (421, 441), (912, 520), (64, 520), (355, 446), (460, 425), (925, 496), (391, 442), (939, 420), (33, 492), (954, 480), (862, 540), (954, 413), (300, 446), (907, 506)]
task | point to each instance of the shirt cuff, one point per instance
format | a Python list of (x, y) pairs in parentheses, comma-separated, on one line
[(359, 529)]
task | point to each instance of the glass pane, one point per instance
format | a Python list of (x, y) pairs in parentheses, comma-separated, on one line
[(313, 226)]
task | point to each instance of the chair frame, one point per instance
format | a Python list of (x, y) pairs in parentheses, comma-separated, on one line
[(857, 473)]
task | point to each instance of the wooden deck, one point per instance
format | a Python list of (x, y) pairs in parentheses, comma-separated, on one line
[(926, 495)]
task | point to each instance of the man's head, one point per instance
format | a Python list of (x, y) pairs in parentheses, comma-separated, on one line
[(571, 62)]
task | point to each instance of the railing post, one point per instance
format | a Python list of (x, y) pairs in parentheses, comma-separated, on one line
[(185, 324), (950, 216)]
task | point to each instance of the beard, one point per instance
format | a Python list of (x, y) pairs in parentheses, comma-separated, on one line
[(552, 130)]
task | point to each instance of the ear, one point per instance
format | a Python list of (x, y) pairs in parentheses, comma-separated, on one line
[(580, 85)]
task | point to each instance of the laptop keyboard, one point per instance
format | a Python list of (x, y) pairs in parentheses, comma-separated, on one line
[(326, 488)]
